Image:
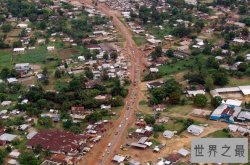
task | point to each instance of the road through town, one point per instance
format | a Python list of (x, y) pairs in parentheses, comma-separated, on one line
[(116, 138)]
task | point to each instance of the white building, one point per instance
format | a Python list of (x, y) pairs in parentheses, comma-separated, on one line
[(195, 129)]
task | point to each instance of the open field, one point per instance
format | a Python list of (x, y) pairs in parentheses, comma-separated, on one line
[(139, 40), (219, 134), (179, 109), (177, 66), (239, 81), (5, 58), (157, 32)]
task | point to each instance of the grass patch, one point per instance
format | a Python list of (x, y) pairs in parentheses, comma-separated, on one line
[(157, 32), (180, 109), (237, 82), (139, 40), (59, 85), (143, 102), (219, 134), (5, 59), (174, 126), (178, 65), (38, 55), (130, 130)]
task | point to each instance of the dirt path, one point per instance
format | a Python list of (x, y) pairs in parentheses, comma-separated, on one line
[(101, 153)]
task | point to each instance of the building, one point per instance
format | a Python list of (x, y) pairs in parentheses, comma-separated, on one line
[(12, 80), (22, 25), (227, 111), (195, 92), (61, 142), (156, 84), (244, 90), (7, 137), (22, 67), (168, 134), (195, 129), (19, 50)]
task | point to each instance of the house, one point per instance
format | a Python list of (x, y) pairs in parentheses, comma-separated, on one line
[(93, 47), (55, 141), (134, 162), (239, 41), (233, 128), (19, 50), (173, 158), (244, 116), (118, 158), (244, 90), (195, 92), (226, 112), (248, 57), (6, 103), (7, 137), (14, 154), (12, 80), (31, 135), (234, 103), (159, 107), (23, 127), (105, 107), (155, 84), (183, 152), (81, 58), (50, 48), (195, 129), (181, 54), (22, 67), (80, 110), (22, 25), (13, 162), (168, 134), (154, 70)]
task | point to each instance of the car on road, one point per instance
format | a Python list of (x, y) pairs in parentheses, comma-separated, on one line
[(109, 144)]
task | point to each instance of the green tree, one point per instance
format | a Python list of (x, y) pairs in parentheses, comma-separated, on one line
[(89, 74), (220, 78), (27, 158), (3, 154), (243, 9), (149, 119), (6, 28), (17, 44), (58, 74), (200, 100), (209, 83), (243, 67), (75, 129), (158, 128), (113, 55), (106, 56), (170, 53), (216, 101), (45, 122)]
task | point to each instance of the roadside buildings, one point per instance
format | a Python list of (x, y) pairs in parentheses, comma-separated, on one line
[(58, 142)]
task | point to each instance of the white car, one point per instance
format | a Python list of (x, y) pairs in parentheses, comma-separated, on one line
[(109, 144)]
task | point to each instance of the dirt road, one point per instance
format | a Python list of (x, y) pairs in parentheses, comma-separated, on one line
[(104, 151)]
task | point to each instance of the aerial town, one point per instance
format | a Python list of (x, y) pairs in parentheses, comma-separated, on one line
[(128, 82)]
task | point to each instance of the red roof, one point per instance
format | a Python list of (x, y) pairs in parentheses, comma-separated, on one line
[(57, 141)]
